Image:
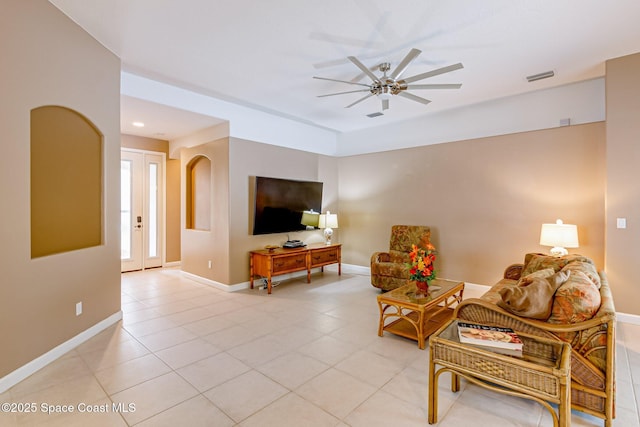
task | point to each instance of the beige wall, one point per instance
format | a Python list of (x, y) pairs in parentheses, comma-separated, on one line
[(229, 241), (484, 199), (53, 62), (201, 246), (248, 158), (623, 176), (172, 190)]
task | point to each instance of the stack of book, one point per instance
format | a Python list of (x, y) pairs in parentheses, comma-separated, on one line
[(492, 338)]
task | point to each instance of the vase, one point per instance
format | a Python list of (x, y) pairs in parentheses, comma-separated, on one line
[(422, 288)]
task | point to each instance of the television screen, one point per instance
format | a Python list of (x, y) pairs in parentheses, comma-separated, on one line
[(279, 204)]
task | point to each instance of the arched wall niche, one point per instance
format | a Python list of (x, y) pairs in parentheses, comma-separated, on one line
[(198, 203), (66, 181)]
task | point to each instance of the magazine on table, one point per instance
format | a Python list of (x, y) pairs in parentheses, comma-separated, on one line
[(494, 338)]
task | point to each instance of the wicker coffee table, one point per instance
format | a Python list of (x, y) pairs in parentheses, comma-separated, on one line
[(542, 374), (417, 318)]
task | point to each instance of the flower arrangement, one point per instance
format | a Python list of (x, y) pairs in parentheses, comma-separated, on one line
[(421, 268)]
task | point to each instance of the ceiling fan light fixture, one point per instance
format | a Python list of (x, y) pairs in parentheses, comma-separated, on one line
[(385, 87), (383, 91)]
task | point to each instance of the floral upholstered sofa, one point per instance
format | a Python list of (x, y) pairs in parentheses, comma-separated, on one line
[(582, 314), (390, 270)]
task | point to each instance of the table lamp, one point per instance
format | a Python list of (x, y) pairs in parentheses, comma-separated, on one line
[(560, 236), (328, 221), (310, 219)]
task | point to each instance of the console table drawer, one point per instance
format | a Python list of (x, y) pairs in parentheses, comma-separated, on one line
[(319, 258), (290, 263)]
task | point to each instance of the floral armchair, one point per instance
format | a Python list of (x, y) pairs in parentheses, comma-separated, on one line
[(389, 269)]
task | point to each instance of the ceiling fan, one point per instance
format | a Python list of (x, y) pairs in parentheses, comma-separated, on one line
[(387, 86)]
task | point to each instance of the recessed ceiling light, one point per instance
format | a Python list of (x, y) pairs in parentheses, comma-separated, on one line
[(138, 124)]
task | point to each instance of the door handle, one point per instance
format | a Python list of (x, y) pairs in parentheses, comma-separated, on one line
[(139, 222)]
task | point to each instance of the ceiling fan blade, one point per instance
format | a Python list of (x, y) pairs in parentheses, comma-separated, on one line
[(436, 86), (341, 81), (414, 97), (385, 104), (413, 54), (363, 68), (432, 73), (342, 93), (359, 100)]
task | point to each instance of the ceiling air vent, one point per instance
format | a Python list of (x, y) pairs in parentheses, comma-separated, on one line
[(540, 76), (372, 115)]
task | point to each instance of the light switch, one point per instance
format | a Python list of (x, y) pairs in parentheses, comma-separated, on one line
[(621, 222)]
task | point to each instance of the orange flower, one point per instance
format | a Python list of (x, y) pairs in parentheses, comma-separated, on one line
[(421, 268)]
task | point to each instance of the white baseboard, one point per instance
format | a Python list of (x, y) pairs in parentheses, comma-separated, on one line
[(633, 319), (214, 284), (172, 264), (35, 365), (346, 268), (355, 269)]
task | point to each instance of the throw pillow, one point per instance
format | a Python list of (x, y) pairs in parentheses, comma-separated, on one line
[(576, 300), (532, 296), (542, 274), (587, 268), (539, 261)]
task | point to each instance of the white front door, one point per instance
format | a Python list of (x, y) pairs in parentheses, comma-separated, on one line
[(141, 209)]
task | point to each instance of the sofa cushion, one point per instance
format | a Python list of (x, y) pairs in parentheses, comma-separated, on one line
[(392, 269), (532, 296), (535, 262), (398, 256), (577, 300)]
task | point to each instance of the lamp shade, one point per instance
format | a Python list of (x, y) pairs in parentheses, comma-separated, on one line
[(559, 234), (310, 218), (328, 220)]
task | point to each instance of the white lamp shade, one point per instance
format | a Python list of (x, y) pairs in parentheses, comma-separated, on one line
[(559, 234), (328, 220)]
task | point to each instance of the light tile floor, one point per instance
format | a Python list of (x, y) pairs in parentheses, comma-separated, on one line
[(187, 354)]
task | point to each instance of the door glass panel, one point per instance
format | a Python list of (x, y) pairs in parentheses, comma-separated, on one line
[(125, 209), (153, 210)]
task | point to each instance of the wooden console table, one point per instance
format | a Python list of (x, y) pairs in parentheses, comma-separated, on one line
[(269, 263)]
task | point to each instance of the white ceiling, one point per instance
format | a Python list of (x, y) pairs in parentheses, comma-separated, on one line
[(263, 54)]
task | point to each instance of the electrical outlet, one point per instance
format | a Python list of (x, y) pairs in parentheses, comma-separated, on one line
[(79, 308), (210, 263)]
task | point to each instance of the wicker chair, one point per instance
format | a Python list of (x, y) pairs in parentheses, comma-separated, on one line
[(592, 342), (389, 269)]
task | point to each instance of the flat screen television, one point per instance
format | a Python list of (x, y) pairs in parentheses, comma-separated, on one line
[(279, 204)]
